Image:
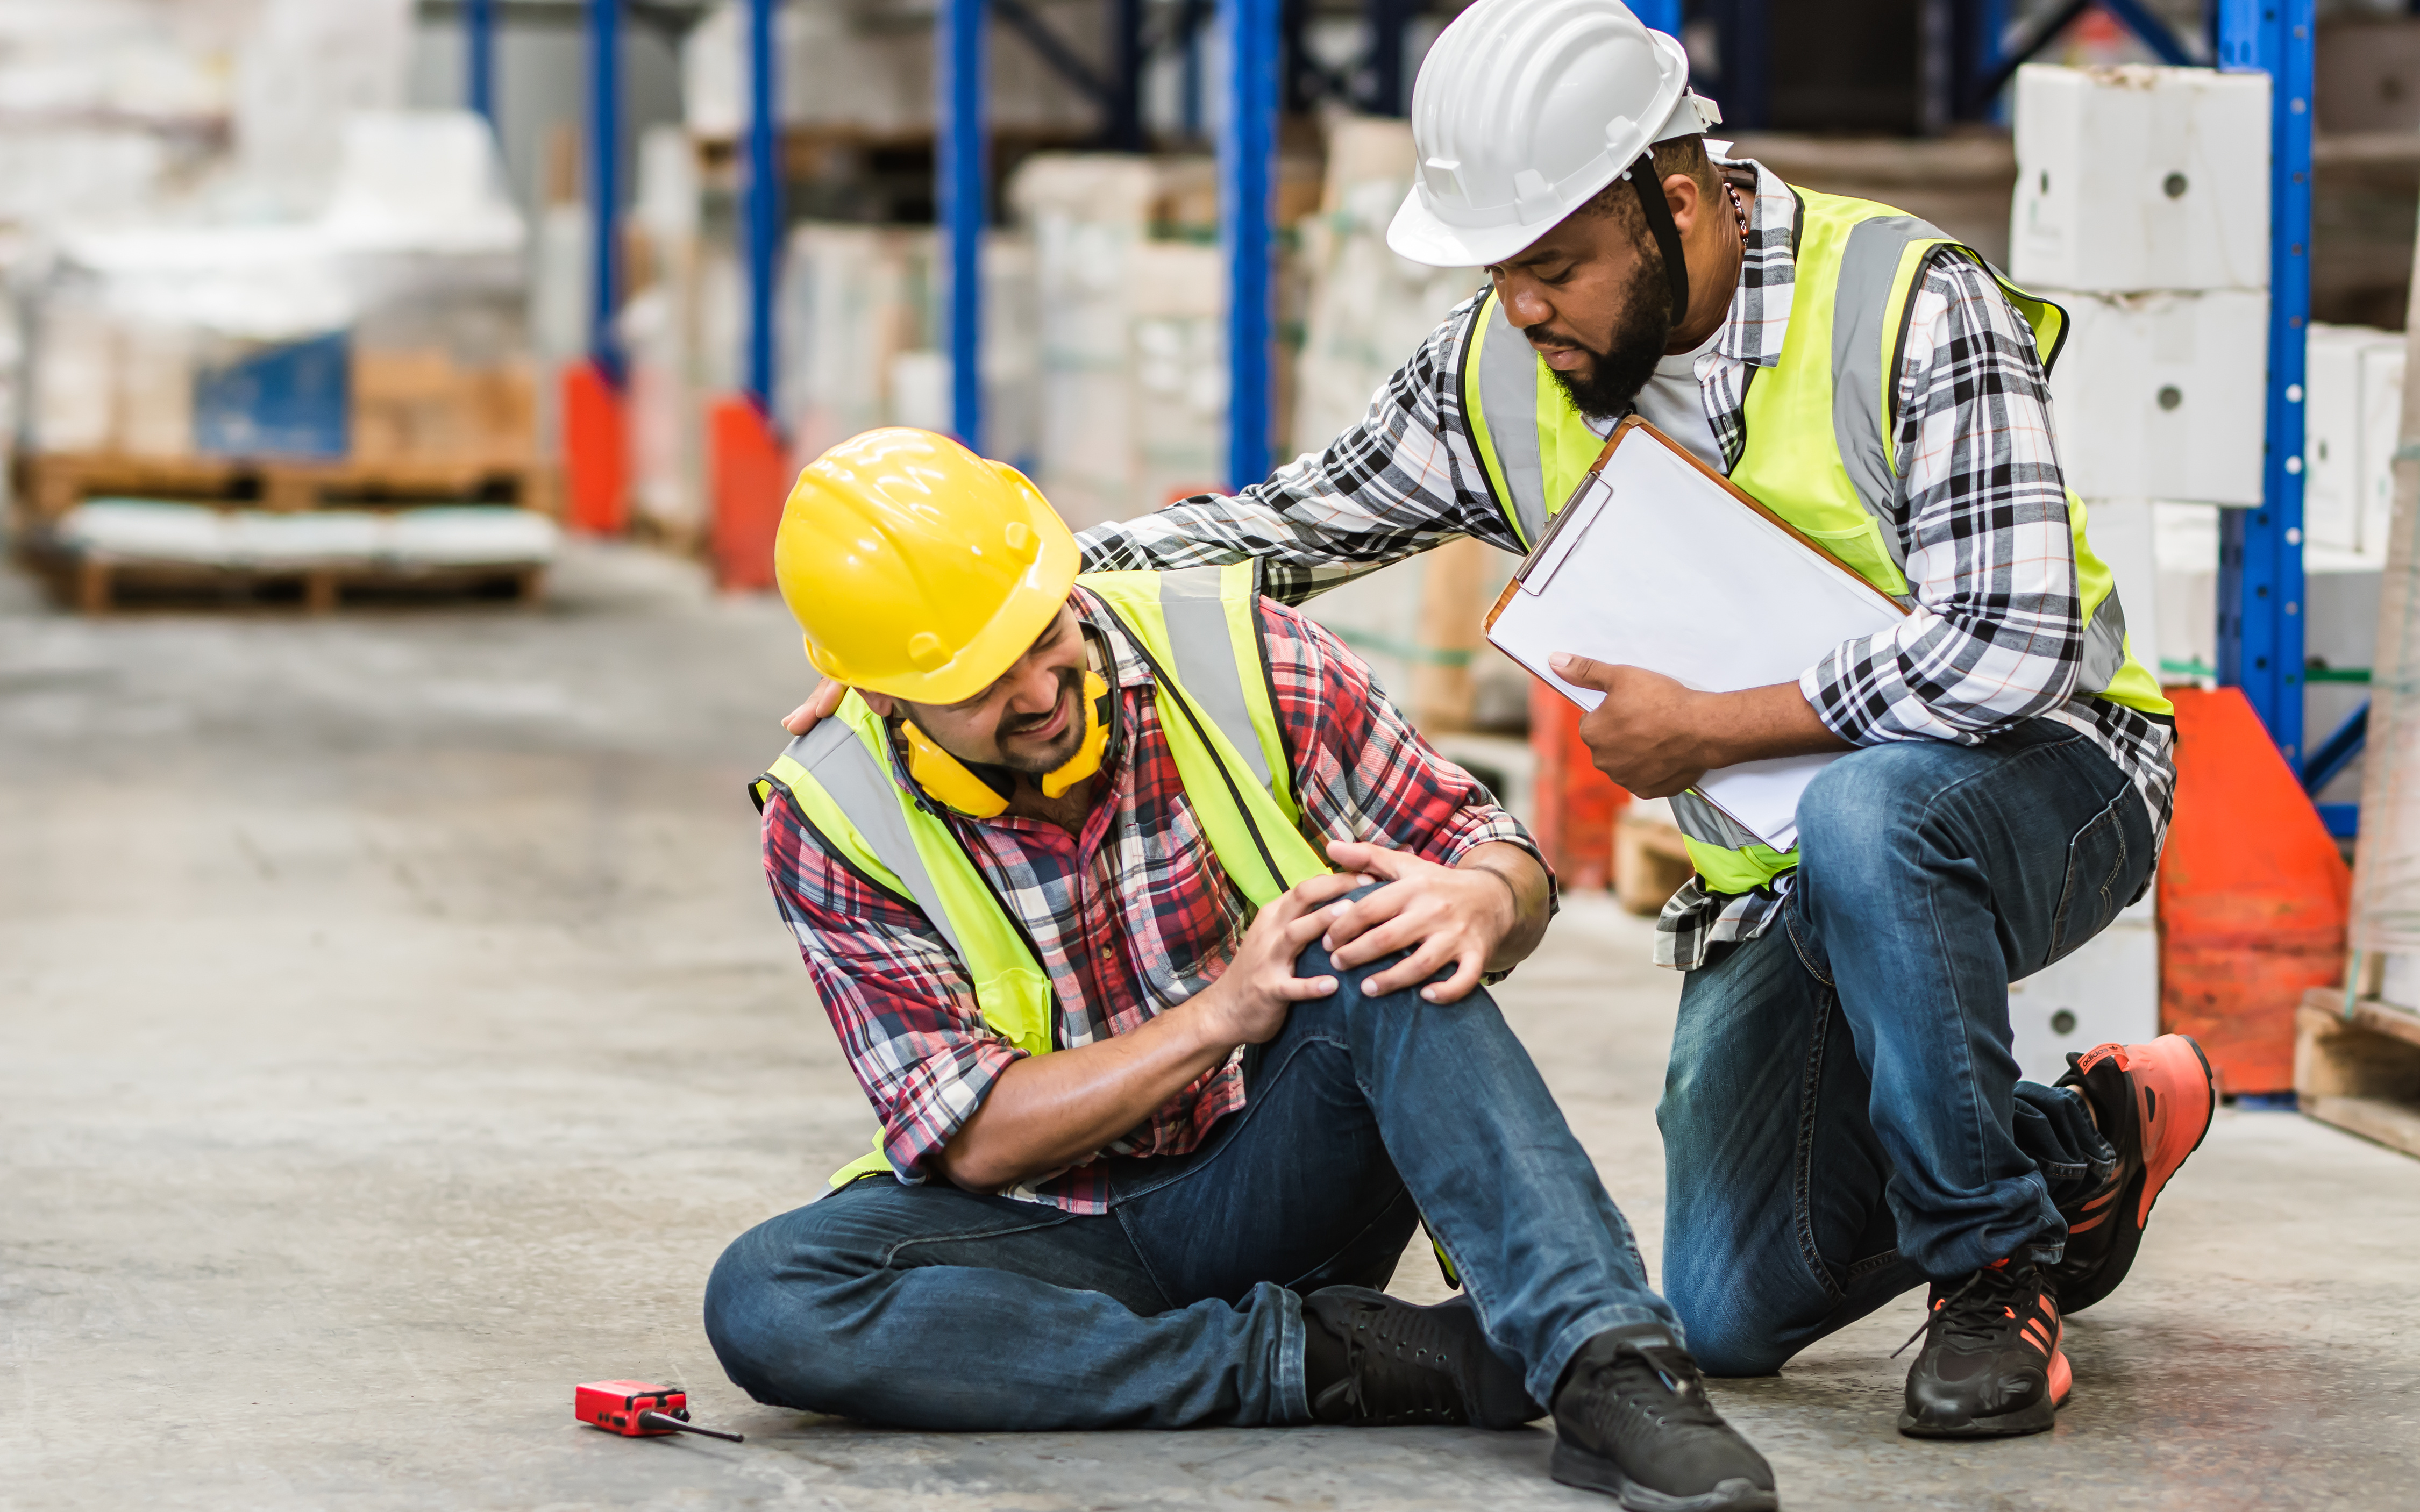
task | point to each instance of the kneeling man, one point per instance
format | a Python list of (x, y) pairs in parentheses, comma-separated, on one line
[(1052, 869)]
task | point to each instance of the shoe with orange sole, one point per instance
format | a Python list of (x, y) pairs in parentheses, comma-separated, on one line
[(1990, 1367), (2154, 1102)]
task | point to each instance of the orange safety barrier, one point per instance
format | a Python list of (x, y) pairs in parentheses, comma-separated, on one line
[(595, 450), (2253, 895), (751, 479), (1576, 804)]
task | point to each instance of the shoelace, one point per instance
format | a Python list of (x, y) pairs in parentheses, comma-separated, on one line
[(1638, 1370), (1970, 1322), (1417, 1343)]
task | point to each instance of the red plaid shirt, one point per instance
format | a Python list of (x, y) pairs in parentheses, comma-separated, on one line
[(1132, 916)]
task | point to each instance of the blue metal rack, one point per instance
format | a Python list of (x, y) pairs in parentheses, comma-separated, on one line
[(2261, 549), (1247, 142), (763, 222), (604, 182), (2330, 757), (479, 58), (963, 163), (1253, 91), (1739, 49), (2260, 586), (1658, 15)]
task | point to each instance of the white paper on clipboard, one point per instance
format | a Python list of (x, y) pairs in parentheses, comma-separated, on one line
[(1656, 562)]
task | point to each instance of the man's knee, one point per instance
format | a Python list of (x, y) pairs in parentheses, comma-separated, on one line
[(758, 1298), (1314, 960), (1726, 1346), (1729, 1329), (1733, 1270)]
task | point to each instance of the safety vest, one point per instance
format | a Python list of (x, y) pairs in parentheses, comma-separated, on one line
[(1817, 450), (1199, 631)]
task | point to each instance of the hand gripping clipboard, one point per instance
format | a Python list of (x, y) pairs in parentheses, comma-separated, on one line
[(1659, 562)]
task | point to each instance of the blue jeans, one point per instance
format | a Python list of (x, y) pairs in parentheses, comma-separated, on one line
[(1842, 1120), (931, 1307)]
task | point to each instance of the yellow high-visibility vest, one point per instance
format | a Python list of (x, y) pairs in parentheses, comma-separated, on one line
[(1200, 631), (1819, 450)]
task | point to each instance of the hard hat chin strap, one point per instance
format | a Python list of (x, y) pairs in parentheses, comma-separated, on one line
[(1658, 211)]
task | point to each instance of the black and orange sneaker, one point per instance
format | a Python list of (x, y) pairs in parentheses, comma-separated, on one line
[(1990, 1367), (2154, 1102)]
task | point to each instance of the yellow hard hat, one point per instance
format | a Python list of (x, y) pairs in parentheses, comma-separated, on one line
[(917, 568)]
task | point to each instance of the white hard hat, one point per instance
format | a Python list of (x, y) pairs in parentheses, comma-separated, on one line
[(1522, 110)]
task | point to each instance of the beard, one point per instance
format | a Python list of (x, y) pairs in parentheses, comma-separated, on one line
[(1057, 755), (1613, 377)]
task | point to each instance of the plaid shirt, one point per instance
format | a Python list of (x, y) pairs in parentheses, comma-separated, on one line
[(1996, 635), (1131, 917)]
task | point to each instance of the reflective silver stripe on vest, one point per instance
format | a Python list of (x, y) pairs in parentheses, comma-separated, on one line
[(1508, 400), (1206, 660), (1860, 428), (863, 789), (1708, 825), (2105, 644)]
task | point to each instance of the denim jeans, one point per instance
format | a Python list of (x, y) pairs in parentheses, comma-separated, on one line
[(1843, 1120), (927, 1306)]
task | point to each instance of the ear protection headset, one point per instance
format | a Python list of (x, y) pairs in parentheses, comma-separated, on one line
[(982, 791)]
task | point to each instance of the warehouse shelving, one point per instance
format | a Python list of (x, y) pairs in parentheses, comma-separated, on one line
[(2261, 591)]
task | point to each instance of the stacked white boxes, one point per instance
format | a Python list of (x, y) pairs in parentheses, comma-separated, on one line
[(2353, 414), (1131, 354), (2354, 410), (857, 333), (1090, 216), (1369, 311), (2142, 207), (852, 299)]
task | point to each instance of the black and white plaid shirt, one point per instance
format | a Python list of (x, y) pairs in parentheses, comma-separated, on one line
[(1996, 635)]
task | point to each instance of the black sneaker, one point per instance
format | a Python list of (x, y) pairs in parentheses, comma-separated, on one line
[(1372, 1361), (1632, 1420), (1990, 1365), (2154, 1102)]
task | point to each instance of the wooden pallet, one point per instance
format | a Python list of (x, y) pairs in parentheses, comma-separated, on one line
[(97, 585), (1651, 860), (49, 483), (2360, 1070)]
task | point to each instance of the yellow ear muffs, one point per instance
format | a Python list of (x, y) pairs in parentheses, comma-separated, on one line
[(948, 779), (1087, 759), (978, 795)]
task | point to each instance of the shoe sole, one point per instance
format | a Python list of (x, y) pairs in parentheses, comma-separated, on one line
[(1575, 1466), (2132, 1211), (2039, 1418)]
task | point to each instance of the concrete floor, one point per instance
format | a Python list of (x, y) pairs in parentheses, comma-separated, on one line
[(394, 1027)]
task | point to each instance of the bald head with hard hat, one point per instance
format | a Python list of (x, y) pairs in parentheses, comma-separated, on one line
[(1558, 145), (935, 583)]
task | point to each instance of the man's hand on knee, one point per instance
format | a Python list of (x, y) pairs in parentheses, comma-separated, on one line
[(1248, 1003), (1471, 916)]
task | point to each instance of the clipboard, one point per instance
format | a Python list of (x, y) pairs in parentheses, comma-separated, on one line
[(1657, 561)]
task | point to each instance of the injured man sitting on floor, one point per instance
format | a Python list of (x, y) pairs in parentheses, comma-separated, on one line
[(1157, 938)]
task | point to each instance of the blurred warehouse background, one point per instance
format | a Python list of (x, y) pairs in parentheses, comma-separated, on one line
[(279, 269)]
